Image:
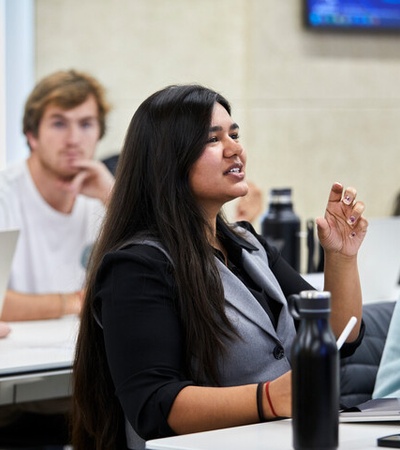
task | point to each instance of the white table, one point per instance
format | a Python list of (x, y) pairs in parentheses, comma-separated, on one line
[(36, 360), (272, 436)]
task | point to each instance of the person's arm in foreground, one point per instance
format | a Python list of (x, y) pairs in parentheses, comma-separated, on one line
[(341, 233), (207, 408)]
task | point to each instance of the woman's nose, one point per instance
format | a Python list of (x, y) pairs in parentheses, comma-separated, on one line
[(232, 148)]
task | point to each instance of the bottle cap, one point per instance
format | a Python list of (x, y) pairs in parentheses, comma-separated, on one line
[(281, 196), (311, 302)]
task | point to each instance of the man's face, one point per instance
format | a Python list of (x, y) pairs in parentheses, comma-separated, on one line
[(65, 136)]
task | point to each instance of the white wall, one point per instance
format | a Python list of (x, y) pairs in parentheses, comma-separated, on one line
[(313, 108), (2, 87), (18, 72)]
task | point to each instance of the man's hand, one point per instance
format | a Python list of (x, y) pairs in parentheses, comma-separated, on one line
[(93, 180)]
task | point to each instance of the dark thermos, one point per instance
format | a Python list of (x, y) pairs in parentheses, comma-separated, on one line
[(315, 374), (281, 226)]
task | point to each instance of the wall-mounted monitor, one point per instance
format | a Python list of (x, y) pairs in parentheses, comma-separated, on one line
[(357, 15)]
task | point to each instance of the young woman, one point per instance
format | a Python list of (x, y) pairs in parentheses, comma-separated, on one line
[(185, 318)]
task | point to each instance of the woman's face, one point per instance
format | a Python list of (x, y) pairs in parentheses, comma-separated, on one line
[(218, 176)]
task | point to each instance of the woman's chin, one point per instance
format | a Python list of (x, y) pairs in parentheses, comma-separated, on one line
[(243, 190)]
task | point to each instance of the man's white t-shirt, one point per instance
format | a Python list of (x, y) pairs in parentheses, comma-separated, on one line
[(53, 247)]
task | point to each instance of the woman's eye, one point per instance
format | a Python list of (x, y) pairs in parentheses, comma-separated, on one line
[(235, 136), (212, 139)]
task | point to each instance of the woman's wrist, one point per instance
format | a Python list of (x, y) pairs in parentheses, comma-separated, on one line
[(265, 406), (259, 398), (271, 408)]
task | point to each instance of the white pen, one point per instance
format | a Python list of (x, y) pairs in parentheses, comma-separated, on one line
[(346, 332)]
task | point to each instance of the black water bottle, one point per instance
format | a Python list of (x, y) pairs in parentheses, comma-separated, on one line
[(315, 374), (281, 226)]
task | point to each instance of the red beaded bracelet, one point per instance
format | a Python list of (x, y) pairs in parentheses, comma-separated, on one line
[(269, 399)]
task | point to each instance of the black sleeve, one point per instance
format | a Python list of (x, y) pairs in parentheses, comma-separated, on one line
[(143, 336), (292, 282)]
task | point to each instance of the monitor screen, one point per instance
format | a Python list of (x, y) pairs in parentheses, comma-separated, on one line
[(379, 15)]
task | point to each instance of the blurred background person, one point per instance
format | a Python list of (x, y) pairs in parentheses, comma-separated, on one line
[(250, 206), (56, 197)]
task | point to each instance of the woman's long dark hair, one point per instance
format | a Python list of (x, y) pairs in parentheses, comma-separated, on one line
[(166, 136)]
